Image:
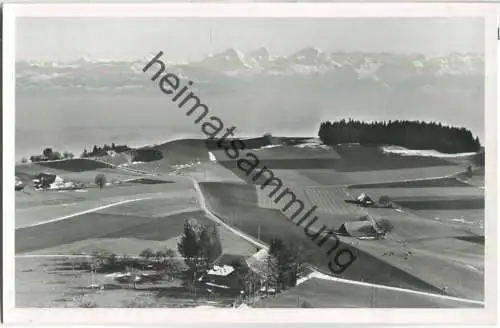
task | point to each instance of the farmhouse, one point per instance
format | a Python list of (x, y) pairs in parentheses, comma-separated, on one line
[(364, 199), (224, 273), (44, 180), (19, 185), (55, 182), (230, 271)]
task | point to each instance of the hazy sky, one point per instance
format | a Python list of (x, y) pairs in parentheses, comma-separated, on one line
[(192, 38)]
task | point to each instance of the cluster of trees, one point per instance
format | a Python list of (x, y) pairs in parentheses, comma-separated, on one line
[(285, 264), (146, 154), (200, 246), (163, 261), (102, 151), (49, 155), (100, 180), (409, 134)]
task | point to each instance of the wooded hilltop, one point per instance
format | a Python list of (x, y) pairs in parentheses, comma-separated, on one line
[(409, 134)]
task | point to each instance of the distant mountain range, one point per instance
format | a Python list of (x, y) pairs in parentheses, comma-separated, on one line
[(386, 68)]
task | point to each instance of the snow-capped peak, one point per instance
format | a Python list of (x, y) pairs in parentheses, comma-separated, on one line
[(230, 59), (259, 55)]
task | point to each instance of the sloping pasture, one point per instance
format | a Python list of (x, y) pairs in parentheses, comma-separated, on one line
[(410, 227), (467, 219), (451, 265), (365, 158), (238, 208), (320, 293), (401, 175), (425, 193), (425, 183)]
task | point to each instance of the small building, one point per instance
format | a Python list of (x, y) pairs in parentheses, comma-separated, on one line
[(19, 185), (45, 180), (365, 199), (224, 272), (359, 229)]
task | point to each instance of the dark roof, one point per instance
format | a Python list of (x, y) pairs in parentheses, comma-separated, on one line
[(46, 175), (358, 229), (230, 259)]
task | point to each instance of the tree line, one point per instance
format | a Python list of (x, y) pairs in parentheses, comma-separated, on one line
[(408, 134), (102, 151), (48, 154)]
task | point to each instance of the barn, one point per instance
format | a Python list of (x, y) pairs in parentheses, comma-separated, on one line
[(359, 229)]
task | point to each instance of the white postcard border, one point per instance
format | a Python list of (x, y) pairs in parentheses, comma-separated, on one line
[(192, 316)]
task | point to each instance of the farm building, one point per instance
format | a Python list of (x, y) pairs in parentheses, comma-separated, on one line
[(19, 185), (224, 273), (359, 229), (52, 181), (365, 199), (229, 272), (362, 200), (44, 180)]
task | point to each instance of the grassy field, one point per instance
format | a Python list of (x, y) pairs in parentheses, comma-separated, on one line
[(37, 206), (340, 159), (433, 193), (236, 209), (410, 227), (147, 221), (326, 177), (120, 246), (74, 165), (184, 151), (438, 183), (42, 283), (363, 158), (467, 219), (209, 171), (400, 175), (328, 294), (331, 201), (282, 152), (454, 266), (430, 248), (77, 170), (237, 205), (83, 227)]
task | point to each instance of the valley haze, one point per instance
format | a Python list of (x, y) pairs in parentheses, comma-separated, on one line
[(367, 86)]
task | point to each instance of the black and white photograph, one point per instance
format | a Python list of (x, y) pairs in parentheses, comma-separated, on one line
[(249, 161)]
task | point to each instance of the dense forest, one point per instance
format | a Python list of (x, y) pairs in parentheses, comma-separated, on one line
[(408, 134)]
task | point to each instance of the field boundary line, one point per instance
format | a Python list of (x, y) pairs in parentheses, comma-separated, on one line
[(322, 276), (95, 209), (449, 176), (215, 218)]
